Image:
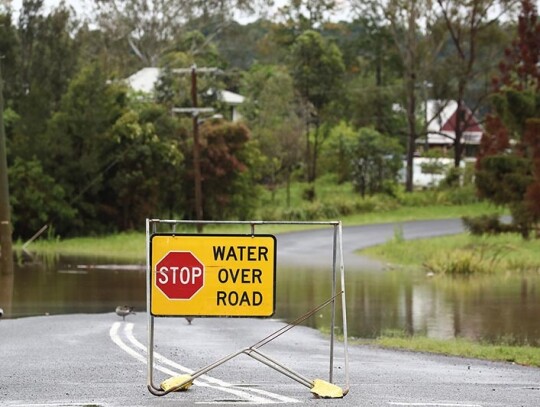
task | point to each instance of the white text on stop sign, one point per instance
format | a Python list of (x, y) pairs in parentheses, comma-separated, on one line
[(179, 275)]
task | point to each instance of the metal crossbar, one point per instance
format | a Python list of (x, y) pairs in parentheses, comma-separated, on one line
[(254, 350)]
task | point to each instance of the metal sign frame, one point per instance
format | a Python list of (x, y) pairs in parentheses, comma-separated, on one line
[(254, 350)]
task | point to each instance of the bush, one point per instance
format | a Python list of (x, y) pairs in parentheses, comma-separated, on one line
[(485, 224)]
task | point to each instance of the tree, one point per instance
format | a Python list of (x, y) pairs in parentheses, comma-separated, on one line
[(145, 179), (317, 70), (10, 53), (149, 28), (336, 154), (272, 114), (78, 137), (508, 172), (469, 27), (37, 199), (226, 154), (46, 62), (373, 72), (407, 21), (299, 16), (376, 161)]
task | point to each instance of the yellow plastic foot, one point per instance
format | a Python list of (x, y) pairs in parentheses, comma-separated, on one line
[(174, 382), (326, 390)]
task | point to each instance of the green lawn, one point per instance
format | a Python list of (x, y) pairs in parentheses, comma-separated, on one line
[(132, 245), (522, 355), (463, 254)]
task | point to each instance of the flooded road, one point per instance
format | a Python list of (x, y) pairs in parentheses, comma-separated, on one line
[(378, 300)]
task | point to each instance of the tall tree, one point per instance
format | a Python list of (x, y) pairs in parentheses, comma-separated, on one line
[(508, 167), (317, 70), (47, 62), (272, 112), (78, 137), (407, 21), (226, 155), (149, 27), (375, 160), (468, 25)]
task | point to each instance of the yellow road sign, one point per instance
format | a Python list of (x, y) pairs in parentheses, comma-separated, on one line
[(212, 275)]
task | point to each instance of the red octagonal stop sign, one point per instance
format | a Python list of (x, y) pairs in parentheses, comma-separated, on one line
[(179, 275)]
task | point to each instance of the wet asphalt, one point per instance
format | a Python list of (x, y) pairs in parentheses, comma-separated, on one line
[(100, 360)]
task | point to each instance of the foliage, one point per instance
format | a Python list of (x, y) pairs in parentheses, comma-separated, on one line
[(317, 69), (507, 173), (143, 182), (473, 46), (226, 155), (376, 161), (148, 28), (79, 133), (46, 59), (37, 198), (117, 157), (336, 153), (485, 224), (276, 125)]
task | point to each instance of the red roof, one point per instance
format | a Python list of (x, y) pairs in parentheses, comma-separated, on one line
[(473, 125)]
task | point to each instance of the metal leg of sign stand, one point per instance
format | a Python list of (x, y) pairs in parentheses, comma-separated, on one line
[(252, 351), (327, 389)]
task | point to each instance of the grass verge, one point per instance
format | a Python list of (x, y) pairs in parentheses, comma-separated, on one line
[(463, 254), (132, 245), (522, 355)]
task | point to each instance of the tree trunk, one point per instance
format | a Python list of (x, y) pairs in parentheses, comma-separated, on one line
[(6, 244), (461, 125)]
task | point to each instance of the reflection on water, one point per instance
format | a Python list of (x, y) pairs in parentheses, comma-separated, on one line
[(63, 285), (377, 301)]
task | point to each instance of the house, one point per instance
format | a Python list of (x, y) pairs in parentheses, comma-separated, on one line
[(442, 118), (144, 81)]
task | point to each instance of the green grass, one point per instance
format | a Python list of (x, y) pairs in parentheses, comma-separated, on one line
[(132, 245), (463, 254), (407, 213), (522, 355)]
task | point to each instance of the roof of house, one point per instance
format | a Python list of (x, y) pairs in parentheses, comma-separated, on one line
[(441, 130), (145, 80)]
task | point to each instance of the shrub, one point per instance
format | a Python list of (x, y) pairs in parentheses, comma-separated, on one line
[(485, 224)]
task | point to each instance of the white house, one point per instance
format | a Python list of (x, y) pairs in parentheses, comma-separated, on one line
[(144, 81)]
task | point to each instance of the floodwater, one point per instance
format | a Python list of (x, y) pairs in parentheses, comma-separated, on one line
[(378, 301)]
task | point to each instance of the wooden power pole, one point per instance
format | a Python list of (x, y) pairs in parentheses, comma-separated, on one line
[(195, 111), (6, 245)]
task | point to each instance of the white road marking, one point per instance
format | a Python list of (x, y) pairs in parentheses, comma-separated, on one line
[(82, 404), (433, 404), (203, 381), (158, 357)]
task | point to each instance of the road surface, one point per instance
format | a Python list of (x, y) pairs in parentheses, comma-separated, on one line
[(100, 360)]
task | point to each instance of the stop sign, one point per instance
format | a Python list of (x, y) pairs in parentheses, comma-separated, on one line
[(179, 275)]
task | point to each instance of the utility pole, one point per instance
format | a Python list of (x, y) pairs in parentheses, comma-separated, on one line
[(195, 111), (6, 245)]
